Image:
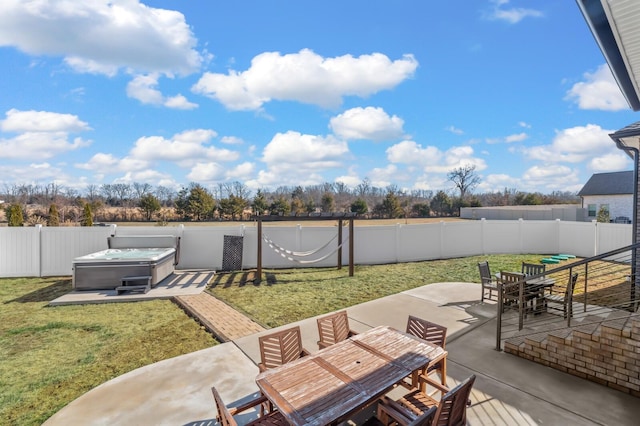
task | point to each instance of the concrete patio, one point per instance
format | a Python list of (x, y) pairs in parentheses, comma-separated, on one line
[(508, 390)]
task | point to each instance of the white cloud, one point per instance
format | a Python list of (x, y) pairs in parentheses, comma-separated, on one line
[(179, 102), (350, 180), (519, 137), (41, 134), (305, 152), (410, 152), (498, 182), (100, 162), (185, 149), (366, 123), (455, 130), (610, 162), (270, 178), (108, 164), (550, 177), (574, 145), (432, 159), (146, 175), (33, 173), (206, 172), (101, 36), (511, 15), (431, 182), (41, 121), (547, 171), (599, 91), (241, 172), (384, 176), (188, 149), (293, 158), (305, 77), (231, 140), (143, 88)]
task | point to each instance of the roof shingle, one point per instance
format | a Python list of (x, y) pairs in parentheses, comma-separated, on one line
[(614, 183)]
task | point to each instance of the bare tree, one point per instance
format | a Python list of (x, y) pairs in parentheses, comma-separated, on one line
[(93, 192), (165, 195), (240, 190), (122, 191), (464, 178), (108, 193), (141, 189), (363, 189)]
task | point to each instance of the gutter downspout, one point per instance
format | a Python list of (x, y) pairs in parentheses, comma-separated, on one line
[(635, 153)]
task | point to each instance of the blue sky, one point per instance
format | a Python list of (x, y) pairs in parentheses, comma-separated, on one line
[(275, 93)]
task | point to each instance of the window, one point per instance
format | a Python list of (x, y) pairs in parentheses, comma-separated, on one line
[(592, 210)]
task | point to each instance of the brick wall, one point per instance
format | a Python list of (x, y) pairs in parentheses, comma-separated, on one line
[(604, 352)]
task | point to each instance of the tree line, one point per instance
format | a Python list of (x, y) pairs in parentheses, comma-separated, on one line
[(55, 205)]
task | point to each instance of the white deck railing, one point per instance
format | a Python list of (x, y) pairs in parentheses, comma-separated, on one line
[(49, 251)]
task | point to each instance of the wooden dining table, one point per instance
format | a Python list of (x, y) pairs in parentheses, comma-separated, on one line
[(336, 382)]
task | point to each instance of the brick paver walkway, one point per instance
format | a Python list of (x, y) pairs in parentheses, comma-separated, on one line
[(219, 318)]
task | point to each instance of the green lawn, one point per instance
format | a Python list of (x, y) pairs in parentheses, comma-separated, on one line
[(288, 295), (51, 355)]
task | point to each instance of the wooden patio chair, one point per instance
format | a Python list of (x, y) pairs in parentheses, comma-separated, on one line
[(512, 292), (280, 347), (533, 293), (488, 283), (432, 333), (531, 269), (565, 299), (333, 328), (225, 415), (417, 406)]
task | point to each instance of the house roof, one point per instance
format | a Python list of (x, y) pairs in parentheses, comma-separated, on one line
[(628, 138), (614, 25), (615, 183)]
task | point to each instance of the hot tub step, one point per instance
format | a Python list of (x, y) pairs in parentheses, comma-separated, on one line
[(132, 288), (132, 284)]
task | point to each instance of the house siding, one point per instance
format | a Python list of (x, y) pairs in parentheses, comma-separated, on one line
[(619, 205)]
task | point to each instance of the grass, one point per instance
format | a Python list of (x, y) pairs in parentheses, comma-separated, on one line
[(51, 355), (295, 294)]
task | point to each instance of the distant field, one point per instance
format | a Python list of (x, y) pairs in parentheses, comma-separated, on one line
[(358, 222)]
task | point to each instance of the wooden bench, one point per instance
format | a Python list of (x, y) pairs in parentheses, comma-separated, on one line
[(133, 283)]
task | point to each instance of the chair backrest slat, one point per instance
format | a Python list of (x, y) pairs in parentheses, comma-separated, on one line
[(333, 328), (426, 330), (452, 410), (485, 272), (571, 286), (532, 269), (281, 347)]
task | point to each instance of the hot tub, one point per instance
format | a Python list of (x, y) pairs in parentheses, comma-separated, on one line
[(105, 269)]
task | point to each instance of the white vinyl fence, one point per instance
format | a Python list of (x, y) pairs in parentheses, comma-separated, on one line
[(49, 251)]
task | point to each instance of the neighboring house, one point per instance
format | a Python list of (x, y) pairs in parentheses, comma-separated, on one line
[(611, 190)]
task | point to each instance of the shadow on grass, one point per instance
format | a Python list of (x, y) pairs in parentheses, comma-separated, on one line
[(618, 296), (45, 294), (243, 278)]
